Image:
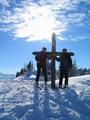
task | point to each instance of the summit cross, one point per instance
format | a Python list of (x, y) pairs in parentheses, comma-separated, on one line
[(53, 70)]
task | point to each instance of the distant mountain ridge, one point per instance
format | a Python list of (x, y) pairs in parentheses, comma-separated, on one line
[(6, 76)]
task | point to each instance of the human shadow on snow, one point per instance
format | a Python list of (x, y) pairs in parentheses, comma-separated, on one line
[(71, 107)]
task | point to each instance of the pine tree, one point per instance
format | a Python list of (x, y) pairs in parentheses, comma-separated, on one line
[(17, 74), (22, 71), (29, 66), (27, 69), (73, 70)]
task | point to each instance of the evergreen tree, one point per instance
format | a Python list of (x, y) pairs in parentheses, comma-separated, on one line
[(84, 71), (17, 74), (88, 71), (73, 70), (27, 69), (22, 71), (29, 66)]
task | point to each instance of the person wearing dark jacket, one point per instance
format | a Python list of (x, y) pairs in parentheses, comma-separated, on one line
[(41, 58), (65, 65)]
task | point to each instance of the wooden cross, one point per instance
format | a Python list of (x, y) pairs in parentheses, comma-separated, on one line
[(52, 59)]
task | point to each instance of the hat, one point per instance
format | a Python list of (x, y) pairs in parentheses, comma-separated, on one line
[(44, 48), (64, 50)]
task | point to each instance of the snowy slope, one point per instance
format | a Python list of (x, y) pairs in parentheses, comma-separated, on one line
[(21, 100)]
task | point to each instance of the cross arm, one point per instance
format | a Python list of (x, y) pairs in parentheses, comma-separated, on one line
[(56, 53)]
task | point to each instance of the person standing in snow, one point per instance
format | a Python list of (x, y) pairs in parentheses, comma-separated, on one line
[(65, 65), (41, 58)]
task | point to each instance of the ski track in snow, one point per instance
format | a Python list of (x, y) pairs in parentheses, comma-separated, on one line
[(21, 100)]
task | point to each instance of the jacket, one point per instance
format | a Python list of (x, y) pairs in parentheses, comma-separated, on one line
[(65, 61), (41, 57)]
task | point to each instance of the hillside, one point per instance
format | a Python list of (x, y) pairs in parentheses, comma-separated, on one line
[(21, 100)]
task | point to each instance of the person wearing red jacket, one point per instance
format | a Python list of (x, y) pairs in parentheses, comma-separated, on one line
[(41, 58)]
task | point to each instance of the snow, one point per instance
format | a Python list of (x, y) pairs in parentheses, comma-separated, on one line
[(6, 76), (22, 100)]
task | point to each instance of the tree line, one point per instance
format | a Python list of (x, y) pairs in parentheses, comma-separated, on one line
[(27, 68), (75, 71)]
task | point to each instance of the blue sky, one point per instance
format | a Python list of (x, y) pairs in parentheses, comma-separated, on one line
[(27, 26)]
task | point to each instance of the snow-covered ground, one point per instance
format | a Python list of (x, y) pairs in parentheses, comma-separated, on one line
[(21, 100)]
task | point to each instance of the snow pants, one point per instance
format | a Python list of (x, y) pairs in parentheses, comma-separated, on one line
[(63, 74), (39, 67)]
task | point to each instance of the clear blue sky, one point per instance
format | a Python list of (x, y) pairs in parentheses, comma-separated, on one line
[(27, 26)]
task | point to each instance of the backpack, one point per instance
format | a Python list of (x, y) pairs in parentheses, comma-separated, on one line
[(69, 61), (36, 58)]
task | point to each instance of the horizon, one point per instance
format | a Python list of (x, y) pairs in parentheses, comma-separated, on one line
[(26, 26)]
